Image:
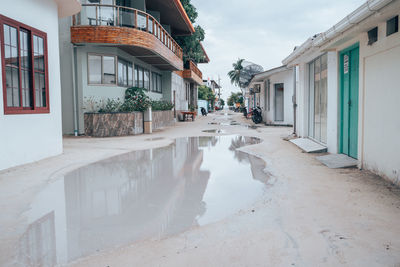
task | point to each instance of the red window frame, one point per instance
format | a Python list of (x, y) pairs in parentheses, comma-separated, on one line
[(32, 31)]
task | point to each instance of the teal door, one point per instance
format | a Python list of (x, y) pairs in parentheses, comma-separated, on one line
[(349, 65)]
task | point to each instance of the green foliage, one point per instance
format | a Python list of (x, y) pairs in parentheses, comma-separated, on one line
[(111, 105), (135, 100), (222, 102), (161, 105), (235, 98), (205, 93), (234, 74), (192, 108), (190, 10), (191, 44)]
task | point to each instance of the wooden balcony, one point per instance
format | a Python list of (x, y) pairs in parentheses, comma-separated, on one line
[(192, 73), (132, 30)]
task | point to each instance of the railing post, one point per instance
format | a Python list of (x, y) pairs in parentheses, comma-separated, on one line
[(136, 19), (147, 23), (118, 24), (97, 15)]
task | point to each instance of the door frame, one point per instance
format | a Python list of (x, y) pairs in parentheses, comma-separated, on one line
[(341, 89)]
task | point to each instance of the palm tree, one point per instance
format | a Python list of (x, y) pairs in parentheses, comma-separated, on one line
[(234, 74)]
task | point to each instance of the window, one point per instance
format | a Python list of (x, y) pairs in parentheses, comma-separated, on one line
[(142, 77), (392, 26), (125, 73), (101, 69), (156, 85), (24, 61), (372, 36)]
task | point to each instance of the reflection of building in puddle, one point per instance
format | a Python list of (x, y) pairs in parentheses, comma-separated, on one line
[(139, 195), (37, 247)]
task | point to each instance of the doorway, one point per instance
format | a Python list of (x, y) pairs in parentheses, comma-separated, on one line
[(279, 102), (349, 70)]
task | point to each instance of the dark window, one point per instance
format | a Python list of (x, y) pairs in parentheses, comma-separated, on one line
[(156, 85), (372, 36), (125, 73), (392, 26), (142, 77), (24, 63)]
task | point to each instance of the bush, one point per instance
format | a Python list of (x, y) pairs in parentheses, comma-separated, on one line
[(161, 105), (135, 100), (111, 105)]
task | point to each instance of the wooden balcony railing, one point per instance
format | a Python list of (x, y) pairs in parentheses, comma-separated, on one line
[(120, 16), (191, 66)]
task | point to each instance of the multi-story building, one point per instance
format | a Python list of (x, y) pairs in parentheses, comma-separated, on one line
[(115, 44)]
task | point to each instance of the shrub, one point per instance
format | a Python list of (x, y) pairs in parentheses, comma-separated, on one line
[(135, 100), (110, 105), (161, 105)]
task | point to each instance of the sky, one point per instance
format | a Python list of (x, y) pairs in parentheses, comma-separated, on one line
[(261, 31)]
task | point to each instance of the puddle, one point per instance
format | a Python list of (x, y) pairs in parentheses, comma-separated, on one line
[(155, 139), (141, 195), (217, 131)]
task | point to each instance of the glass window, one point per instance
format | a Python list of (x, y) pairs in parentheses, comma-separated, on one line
[(156, 82), (125, 73), (392, 26), (26, 89), (109, 70), (318, 84), (146, 79), (94, 69)]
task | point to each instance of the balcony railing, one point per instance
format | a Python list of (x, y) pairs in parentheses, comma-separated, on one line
[(191, 66), (120, 16)]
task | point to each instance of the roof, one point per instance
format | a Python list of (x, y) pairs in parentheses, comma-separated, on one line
[(265, 74), (340, 29), (172, 13), (206, 58)]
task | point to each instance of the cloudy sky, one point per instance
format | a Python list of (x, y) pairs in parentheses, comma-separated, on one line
[(261, 31)]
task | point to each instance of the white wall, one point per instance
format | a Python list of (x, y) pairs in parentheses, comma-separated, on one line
[(32, 137), (178, 85), (332, 108)]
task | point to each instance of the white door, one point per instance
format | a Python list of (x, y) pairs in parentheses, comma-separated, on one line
[(279, 116)]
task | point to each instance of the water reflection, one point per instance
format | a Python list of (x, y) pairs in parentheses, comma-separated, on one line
[(140, 195)]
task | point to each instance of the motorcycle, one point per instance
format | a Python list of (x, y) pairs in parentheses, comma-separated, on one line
[(203, 111), (256, 115)]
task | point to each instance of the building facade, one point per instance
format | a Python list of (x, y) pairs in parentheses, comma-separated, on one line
[(272, 91), (112, 45), (30, 109), (348, 87)]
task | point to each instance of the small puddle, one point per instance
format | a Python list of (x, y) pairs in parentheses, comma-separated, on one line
[(147, 194), (217, 131), (155, 139)]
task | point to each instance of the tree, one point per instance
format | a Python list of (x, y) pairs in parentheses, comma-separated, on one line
[(191, 44), (222, 102), (235, 98), (234, 74), (206, 93)]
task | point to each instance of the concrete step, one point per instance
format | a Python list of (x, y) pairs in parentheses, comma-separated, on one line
[(309, 146)]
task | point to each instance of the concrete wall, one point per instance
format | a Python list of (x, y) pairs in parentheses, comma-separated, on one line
[(161, 119), (32, 137), (178, 85)]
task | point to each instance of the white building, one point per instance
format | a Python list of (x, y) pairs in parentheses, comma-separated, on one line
[(30, 106), (272, 91), (349, 85)]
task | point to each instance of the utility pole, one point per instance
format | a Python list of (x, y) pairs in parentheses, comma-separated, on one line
[(219, 89)]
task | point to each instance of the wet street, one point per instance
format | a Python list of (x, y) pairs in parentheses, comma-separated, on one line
[(215, 192)]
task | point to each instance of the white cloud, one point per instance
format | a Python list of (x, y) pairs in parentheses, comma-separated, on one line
[(261, 31)]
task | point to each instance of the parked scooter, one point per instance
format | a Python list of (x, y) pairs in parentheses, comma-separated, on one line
[(256, 115), (203, 111)]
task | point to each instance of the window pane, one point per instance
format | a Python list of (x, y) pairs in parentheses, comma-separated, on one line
[(130, 75), (108, 70), (159, 84), (136, 76), (140, 78), (14, 37), (26, 88), (147, 79), (121, 70), (7, 40), (94, 69), (38, 50), (153, 82), (24, 49), (40, 90)]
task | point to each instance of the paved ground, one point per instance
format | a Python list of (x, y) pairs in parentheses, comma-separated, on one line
[(311, 216)]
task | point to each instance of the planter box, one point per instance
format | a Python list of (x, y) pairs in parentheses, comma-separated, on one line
[(113, 124), (163, 119)]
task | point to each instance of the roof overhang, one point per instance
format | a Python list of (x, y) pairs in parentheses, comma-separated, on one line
[(172, 13), (68, 8), (206, 59)]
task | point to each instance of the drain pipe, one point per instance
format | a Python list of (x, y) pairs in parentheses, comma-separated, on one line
[(294, 101), (74, 91)]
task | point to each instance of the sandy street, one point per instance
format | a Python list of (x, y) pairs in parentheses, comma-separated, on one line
[(306, 214)]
